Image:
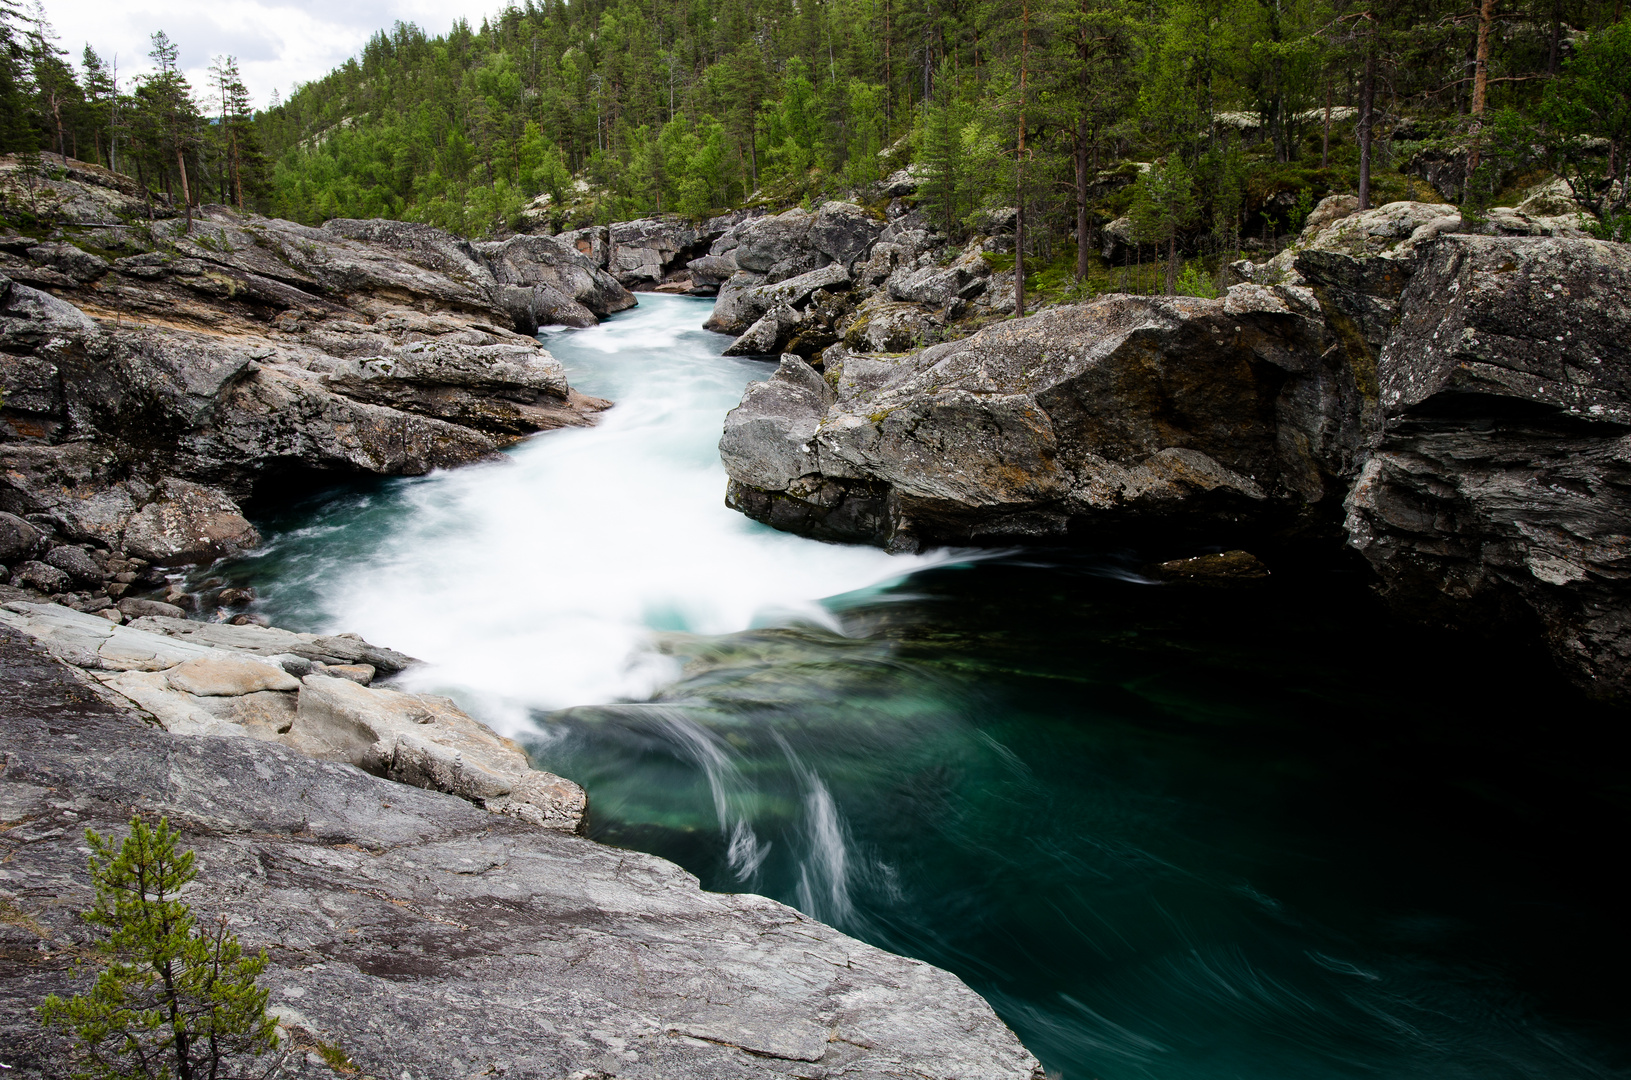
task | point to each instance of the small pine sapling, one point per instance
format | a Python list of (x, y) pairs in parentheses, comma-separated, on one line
[(176, 1001)]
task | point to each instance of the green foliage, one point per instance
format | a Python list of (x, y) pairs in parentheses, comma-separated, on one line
[(1195, 281), (1163, 202), (175, 999)]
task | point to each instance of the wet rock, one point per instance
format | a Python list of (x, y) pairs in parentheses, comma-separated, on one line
[(1220, 569), (235, 597)]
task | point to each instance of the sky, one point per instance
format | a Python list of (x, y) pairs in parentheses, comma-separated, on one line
[(278, 43)]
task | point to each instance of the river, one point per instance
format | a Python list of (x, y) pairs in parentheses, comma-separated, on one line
[(1168, 832)]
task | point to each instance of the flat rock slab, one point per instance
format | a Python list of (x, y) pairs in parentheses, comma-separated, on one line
[(428, 938)]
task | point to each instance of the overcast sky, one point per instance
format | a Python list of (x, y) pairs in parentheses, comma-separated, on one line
[(277, 42)]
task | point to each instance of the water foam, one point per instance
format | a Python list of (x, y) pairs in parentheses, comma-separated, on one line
[(539, 582)]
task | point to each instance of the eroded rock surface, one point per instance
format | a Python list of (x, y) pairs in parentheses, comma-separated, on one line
[(147, 395), (1462, 400), (425, 937)]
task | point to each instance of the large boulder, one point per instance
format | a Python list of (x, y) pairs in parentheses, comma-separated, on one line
[(1124, 412), (188, 523), (647, 251), (547, 280), (18, 538), (428, 742), (843, 231), (1498, 492)]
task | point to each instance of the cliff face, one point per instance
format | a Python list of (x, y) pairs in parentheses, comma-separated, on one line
[(154, 378), (1463, 401), (424, 936)]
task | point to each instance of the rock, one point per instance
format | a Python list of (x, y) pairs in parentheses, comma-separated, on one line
[(424, 936), (904, 182), (250, 349), (228, 676), (80, 267), (843, 232), (276, 643), (428, 742), (18, 538), (1496, 494), (33, 574), (361, 674), (768, 335), (773, 308), (644, 252), (1116, 238), (765, 242), (735, 310), (554, 281), (1039, 426), (884, 327), (592, 243), (76, 564), (1224, 568), (112, 614), (1331, 208), (187, 523), (235, 597), (709, 272), (250, 620), (134, 608)]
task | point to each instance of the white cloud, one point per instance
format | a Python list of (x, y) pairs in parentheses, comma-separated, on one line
[(278, 44)]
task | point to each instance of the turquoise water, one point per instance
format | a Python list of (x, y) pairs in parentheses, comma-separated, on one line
[(1168, 832)]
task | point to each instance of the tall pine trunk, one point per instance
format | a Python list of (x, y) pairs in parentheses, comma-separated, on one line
[(186, 195), (1083, 241), (1480, 85), (1019, 168), (1172, 264), (1367, 119)]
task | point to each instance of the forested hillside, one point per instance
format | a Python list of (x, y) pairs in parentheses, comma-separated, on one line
[(697, 105), (1233, 116)]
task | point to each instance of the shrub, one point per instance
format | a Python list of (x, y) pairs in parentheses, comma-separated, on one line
[(175, 1000)]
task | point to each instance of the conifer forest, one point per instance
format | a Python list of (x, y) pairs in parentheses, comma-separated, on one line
[(1212, 126)]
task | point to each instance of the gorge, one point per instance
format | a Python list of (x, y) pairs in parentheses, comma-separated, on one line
[(1165, 824)]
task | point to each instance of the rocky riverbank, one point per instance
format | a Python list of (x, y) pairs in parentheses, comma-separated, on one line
[(1457, 400), (416, 933), (154, 380)]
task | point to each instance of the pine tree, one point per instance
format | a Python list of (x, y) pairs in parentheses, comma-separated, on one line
[(175, 1000)]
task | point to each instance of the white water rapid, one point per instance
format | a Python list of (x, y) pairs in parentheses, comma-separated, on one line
[(538, 582)]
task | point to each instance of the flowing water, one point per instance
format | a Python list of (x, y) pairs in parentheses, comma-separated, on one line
[(1168, 832)]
